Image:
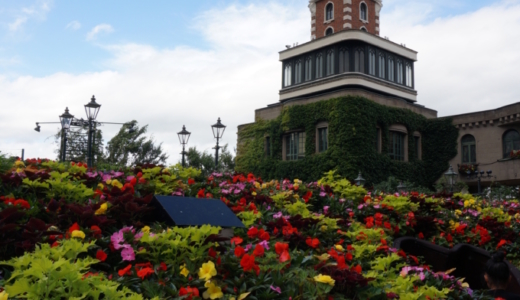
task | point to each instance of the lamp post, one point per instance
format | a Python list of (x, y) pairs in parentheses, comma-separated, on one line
[(479, 175), (360, 181), (450, 177), (218, 132), (184, 136), (401, 187), (65, 121), (92, 110)]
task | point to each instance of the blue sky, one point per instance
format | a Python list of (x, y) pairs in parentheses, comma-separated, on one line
[(173, 63)]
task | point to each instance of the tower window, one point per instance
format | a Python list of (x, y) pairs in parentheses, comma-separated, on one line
[(372, 62), (359, 60), (330, 62), (391, 68), (288, 75), (409, 81), (381, 65), (343, 60), (308, 68), (329, 12), (319, 65), (363, 12), (298, 72), (329, 31)]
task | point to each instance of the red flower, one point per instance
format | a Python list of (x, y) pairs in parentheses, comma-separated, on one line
[(252, 232), (341, 263), (248, 263), (285, 256), (22, 203), (357, 269), (191, 181), (264, 235), (259, 250), (449, 238), (501, 243), (96, 231), (125, 271), (162, 267), (239, 251), (102, 256), (307, 196), (145, 272), (191, 291), (139, 175), (348, 256), (200, 194), (212, 252), (421, 235), (281, 247), (74, 226), (312, 242), (236, 240)]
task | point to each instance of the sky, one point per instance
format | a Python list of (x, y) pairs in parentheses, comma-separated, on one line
[(171, 63)]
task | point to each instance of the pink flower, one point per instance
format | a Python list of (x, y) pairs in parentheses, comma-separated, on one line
[(128, 253), (248, 247), (264, 244), (277, 215), (326, 209), (117, 238), (276, 289)]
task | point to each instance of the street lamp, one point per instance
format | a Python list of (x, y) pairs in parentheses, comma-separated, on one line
[(92, 110), (65, 121), (184, 136), (218, 132), (401, 187), (360, 181), (450, 177), (479, 176)]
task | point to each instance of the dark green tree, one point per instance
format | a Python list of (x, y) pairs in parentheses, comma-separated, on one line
[(206, 161), (130, 147)]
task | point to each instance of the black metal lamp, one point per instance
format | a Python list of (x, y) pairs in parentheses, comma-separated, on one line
[(184, 136), (218, 132), (65, 120), (401, 187), (450, 177), (37, 128), (92, 109), (360, 181)]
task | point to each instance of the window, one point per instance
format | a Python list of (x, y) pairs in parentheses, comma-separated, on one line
[(298, 72), (409, 81), (330, 62), (295, 146), (363, 11), (511, 142), (343, 60), (329, 12), (391, 68), (308, 68), (287, 75), (323, 143), (267, 146), (417, 141), (359, 60), (364, 29), (469, 153), (381, 65), (371, 62), (399, 72), (319, 65), (396, 145), (329, 31)]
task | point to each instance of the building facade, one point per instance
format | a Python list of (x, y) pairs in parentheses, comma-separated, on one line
[(347, 58)]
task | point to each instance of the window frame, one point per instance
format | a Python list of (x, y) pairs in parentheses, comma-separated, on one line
[(319, 140), (393, 146), (511, 141), (319, 65), (472, 149), (362, 5), (327, 18), (359, 60), (287, 81), (298, 71), (331, 31), (329, 62), (308, 68), (298, 146)]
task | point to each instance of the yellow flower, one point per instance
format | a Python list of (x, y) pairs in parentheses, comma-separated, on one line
[(213, 291), (472, 201), (102, 209), (4, 295), (19, 170), (116, 183), (466, 203), (323, 257), (19, 164), (264, 185), (324, 279), (253, 193), (241, 297), (340, 248), (184, 271), (207, 271), (109, 181), (458, 212), (323, 228), (257, 184), (78, 234), (100, 186), (146, 229)]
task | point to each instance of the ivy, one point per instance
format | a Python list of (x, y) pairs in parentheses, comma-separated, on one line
[(352, 123)]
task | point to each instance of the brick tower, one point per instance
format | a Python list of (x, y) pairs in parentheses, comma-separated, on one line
[(331, 16)]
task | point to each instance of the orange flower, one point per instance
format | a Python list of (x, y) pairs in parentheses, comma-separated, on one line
[(22, 203), (501, 243), (236, 240), (191, 291), (125, 271), (145, 272)]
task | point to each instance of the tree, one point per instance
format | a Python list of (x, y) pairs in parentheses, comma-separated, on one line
[(130, 147), (206, 161)]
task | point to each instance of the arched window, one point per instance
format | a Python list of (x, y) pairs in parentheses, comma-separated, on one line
[(359, 60), (409, 81), (329, 12), (319, 65), (372, 62), (469, 152), (364, 29), (391, 68), (308, 68), (343, 60), (399, 72), (511, 142), (288, 75), (329, 31), (363, 11), (381, 65), (298, 72), (330, 62)]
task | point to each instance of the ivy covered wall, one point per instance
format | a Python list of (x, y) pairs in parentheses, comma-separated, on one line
[(352, 123)]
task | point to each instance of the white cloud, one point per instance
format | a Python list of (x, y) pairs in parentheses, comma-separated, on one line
[(37, 11), (101, 28), (465, 64), (74, 25)]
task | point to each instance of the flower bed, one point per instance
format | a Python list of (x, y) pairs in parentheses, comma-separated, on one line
[(66, 232)]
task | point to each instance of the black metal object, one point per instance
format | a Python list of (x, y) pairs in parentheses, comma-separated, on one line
[(479, 175), (469, 261), (184, 136), (218, 132), (183, 211)]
